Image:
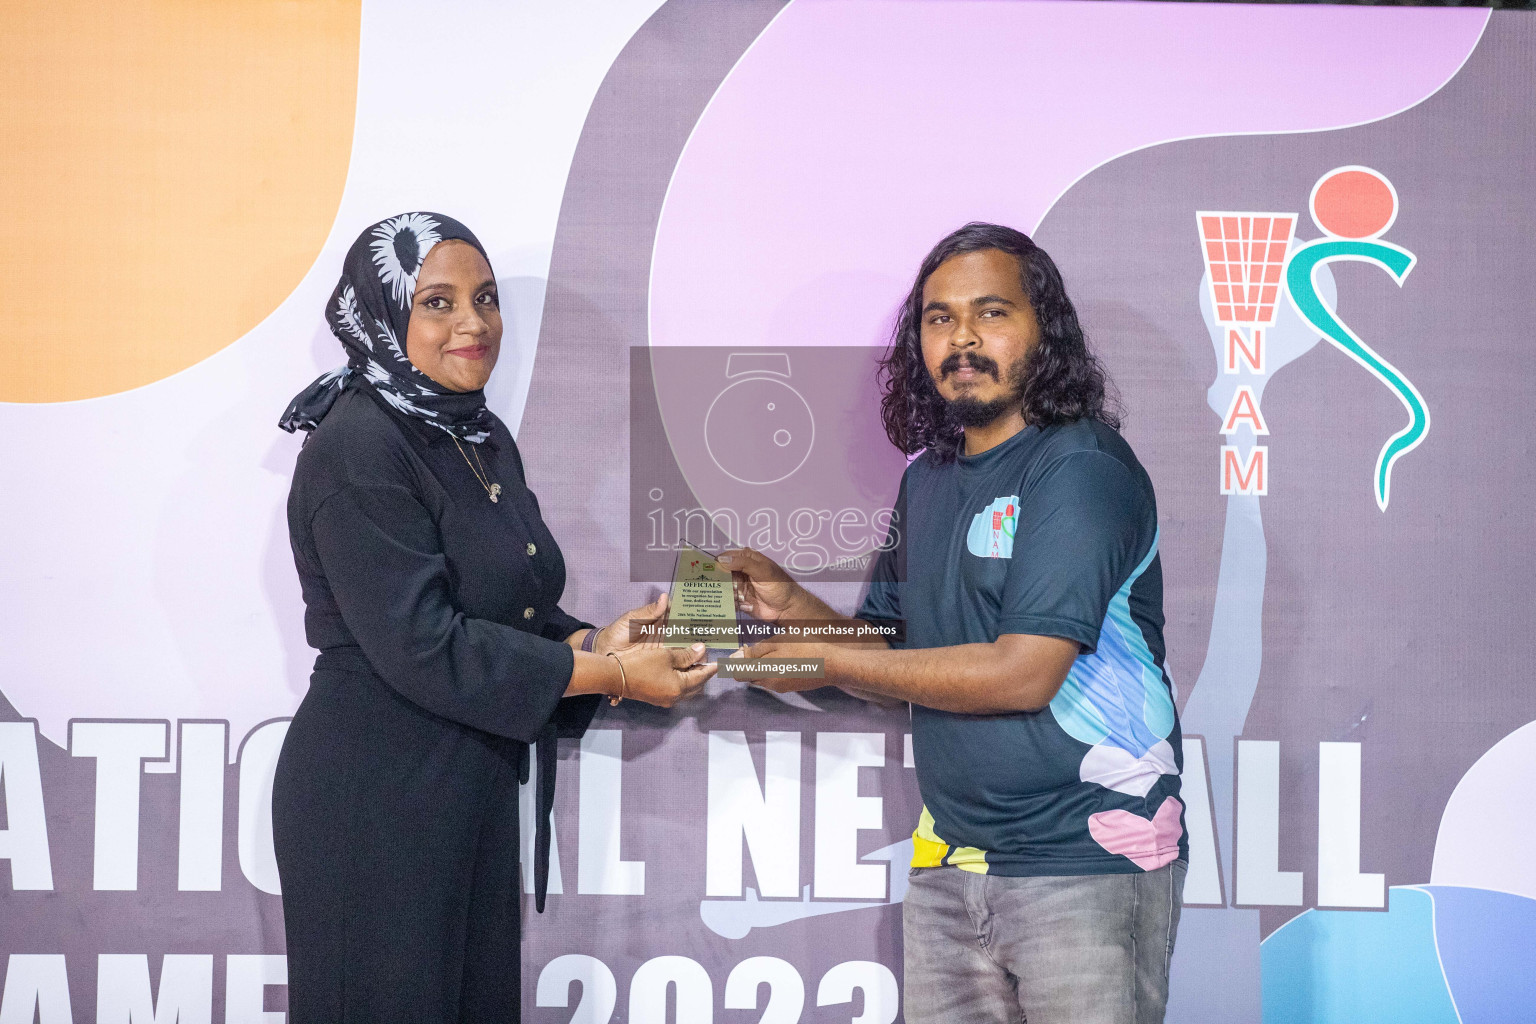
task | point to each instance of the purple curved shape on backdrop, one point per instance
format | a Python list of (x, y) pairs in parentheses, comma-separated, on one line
[(853, 134), (1485, 940)]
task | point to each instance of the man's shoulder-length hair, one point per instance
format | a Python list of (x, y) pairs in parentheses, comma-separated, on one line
[(1063, 381)]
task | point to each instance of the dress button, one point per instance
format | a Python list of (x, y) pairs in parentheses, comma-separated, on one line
[(532, 548), (527, 613)]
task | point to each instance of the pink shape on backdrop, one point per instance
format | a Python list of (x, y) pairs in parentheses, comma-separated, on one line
[(1149, 844), (853, 134)]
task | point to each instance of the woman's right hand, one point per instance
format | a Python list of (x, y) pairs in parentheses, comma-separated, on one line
[(665, 675)]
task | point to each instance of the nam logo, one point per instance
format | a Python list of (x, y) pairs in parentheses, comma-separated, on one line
[(1251, 260), (991, 533)]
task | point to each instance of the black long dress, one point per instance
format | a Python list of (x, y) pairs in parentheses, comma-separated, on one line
[(394, 808)]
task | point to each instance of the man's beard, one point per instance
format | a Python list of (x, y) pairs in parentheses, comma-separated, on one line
[(973, 412)]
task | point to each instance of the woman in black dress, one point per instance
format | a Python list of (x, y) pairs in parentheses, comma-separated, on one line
[(431, 589)]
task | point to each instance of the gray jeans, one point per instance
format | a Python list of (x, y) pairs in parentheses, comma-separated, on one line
[(1047, 949)]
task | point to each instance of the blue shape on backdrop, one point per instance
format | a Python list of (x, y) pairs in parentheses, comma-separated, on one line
[(1358, 967), (1487, 946)]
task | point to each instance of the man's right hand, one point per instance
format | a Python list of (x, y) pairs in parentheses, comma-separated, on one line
[(763, 590), (664, 675)]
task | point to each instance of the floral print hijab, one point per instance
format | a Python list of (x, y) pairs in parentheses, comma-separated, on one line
[(369, 312)]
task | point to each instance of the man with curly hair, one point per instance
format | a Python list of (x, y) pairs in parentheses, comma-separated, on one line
[(1049, 860)]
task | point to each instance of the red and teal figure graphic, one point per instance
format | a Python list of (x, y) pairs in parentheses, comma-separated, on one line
[(1354, 206)]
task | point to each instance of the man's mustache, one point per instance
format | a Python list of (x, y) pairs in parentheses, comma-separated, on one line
[(955, 360)]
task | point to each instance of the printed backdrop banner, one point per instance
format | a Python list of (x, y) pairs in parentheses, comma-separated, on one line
[(1299, 237)]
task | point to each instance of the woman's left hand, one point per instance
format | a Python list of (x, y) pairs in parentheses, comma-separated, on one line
[(622, 634)]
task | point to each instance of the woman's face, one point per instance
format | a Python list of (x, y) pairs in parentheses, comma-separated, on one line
[(454, 335)]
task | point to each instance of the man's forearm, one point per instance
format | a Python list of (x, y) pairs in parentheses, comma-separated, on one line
[(807, 606), (976, 679)]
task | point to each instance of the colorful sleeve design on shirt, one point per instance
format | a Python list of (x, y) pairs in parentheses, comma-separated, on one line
[(1115, 700)]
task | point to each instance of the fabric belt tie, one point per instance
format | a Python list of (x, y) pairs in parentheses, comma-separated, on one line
[(546, 747)]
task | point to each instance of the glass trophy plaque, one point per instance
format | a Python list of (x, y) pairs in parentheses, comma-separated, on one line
[(701, 606)]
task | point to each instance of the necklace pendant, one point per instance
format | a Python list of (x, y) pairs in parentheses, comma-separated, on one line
[(495, 492)]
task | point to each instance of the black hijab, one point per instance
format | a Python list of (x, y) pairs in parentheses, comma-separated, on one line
[(369, 312)]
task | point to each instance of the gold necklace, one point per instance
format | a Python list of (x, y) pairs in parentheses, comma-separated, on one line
[(492, 491)]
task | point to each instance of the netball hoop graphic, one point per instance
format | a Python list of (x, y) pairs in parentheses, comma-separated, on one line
[(1245, 263)]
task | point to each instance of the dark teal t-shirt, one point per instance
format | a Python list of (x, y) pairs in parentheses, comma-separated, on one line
[(1054, 533)]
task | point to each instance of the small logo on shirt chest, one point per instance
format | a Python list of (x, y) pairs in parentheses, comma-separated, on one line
[(992, 529)]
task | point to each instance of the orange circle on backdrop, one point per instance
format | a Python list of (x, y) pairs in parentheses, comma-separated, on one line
[(1354, 202), (171, 170)]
